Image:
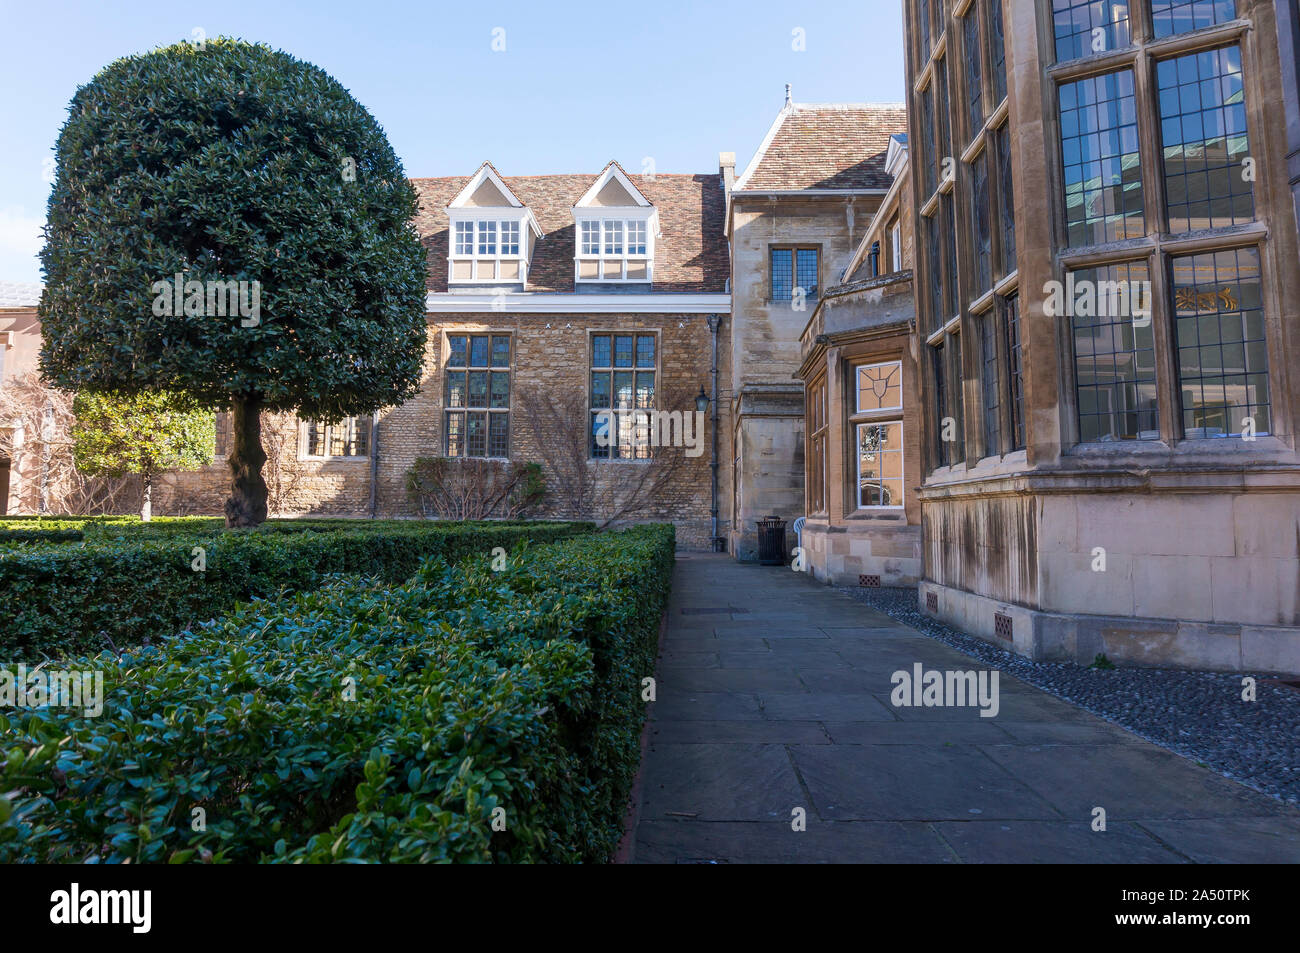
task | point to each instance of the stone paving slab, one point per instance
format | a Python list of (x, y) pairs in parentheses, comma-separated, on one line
[(774, 693), (1054, 842), (888, 842)]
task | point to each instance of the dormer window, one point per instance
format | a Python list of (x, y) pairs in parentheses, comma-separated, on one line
[(493, 233), (616, 226)]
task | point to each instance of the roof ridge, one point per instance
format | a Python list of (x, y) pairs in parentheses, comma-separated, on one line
[(558, 175), (848, 105)]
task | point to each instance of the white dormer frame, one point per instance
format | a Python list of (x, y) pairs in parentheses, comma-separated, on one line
[(477, 267), (896, 156), (612, 261)]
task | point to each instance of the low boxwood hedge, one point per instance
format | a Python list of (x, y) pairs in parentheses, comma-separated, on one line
[(27, 529), (114, 591), (466, 716)]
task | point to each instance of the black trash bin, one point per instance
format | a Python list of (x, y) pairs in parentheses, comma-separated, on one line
[(771, 541)]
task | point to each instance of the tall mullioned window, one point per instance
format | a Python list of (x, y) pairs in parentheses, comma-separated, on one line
[(1013, 384), (967, 248), (817, 430), (1006, 201), (982, 245), (989, 384), (973, 58), (622, 382), (1195, 364), (476, 408)]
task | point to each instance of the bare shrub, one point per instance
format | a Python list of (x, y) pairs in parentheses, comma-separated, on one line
[(471, 488), (604, 491), (36, 422)]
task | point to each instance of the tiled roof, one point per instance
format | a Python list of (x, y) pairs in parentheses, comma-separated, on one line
[(831, 146), (19, 294), (690, 252)]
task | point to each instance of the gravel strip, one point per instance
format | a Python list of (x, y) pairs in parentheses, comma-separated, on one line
[(1199, 715)]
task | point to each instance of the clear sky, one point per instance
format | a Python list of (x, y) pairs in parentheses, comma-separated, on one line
[(578, 83)]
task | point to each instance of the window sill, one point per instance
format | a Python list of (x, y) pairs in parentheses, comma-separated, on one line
[(1218, 449), (883, 514)]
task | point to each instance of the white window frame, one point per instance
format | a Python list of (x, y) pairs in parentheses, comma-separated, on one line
[(612, 229), (464, 245), (304, 441), (487, 238), (509, 238), (857, 388), (857, 464), (612, 244), (877, 417), (488, 229), (896, 244), (635, 239), (590, 247)]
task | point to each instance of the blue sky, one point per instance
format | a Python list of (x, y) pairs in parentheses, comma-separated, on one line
[(577, 84)]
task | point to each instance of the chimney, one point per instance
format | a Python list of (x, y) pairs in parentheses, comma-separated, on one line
[(727, 169), (787, 95)]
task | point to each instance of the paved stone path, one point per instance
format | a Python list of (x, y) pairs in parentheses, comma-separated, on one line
[(774, 694)]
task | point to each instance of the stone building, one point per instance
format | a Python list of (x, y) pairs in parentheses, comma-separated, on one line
[(861, 388), (1107, 284), (1288, 43), (564, 311), (20, 347), (794, 219)]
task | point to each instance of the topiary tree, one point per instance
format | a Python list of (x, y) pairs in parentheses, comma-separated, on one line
[(228, 222), (140, 433)]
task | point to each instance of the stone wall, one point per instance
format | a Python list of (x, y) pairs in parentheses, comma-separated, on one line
[(1146, 576), (767, 437), (549, 356)]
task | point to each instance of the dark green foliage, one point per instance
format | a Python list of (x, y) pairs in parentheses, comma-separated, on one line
[(474, 690), (118, 590), (228, 163)]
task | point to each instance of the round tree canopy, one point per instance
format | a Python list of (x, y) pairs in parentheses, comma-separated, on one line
[(228, 222)]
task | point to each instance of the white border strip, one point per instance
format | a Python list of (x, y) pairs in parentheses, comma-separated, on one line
[(539, 303)]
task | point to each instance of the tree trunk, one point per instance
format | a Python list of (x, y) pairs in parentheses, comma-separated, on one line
[(146, 508), (247, 503)]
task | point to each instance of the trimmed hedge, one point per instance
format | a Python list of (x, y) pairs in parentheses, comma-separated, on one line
[(495, 717), (115, 591), (23, 529)]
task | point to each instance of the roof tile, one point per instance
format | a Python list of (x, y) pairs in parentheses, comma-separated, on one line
[(690, 251), (832, 146)]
